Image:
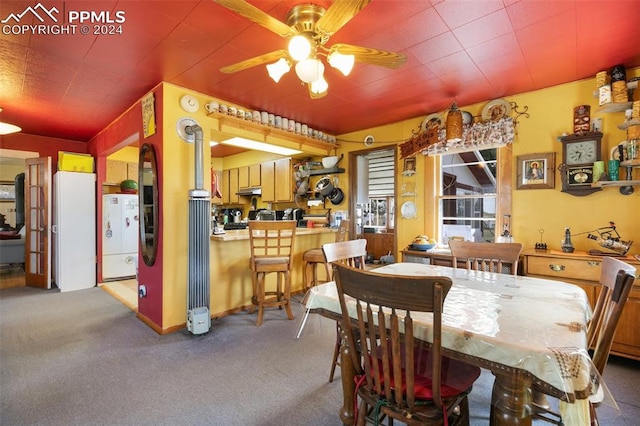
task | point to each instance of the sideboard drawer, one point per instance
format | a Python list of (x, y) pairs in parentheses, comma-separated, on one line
[(581, 269)]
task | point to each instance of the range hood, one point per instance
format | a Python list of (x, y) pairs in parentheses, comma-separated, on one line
[(250, 191)]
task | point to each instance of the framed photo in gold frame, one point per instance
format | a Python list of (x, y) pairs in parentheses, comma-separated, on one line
[(536, 171)]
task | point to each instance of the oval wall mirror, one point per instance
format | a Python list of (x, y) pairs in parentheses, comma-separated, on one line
[(148, 194)]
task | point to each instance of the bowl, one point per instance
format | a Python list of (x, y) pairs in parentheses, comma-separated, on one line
[(422, 247), (329, 162)]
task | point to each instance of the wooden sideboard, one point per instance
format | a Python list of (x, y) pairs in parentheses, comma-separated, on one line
[(582, 269)]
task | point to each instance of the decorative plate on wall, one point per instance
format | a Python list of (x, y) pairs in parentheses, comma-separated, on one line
[(408, 210), (189, 103), (496, 109)]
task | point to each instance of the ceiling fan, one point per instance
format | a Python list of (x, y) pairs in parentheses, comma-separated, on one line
[(308, 29)]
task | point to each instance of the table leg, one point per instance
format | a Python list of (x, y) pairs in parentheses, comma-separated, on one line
[(347, 374), (510, 400)]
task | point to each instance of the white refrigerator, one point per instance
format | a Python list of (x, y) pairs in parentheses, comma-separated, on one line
[(74, 230), (120, 229)]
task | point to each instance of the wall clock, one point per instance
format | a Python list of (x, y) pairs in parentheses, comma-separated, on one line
[(579, 152)]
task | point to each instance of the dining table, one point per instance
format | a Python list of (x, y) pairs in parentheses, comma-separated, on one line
[(524, 330)]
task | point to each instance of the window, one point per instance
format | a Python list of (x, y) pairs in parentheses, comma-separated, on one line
[(467, 200)]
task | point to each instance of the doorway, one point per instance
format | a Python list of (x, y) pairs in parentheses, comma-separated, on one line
[(372, 206)]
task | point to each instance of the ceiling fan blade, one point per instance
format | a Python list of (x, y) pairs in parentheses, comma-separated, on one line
[(242, 8), (338, 14), (255, 61), (371, 56)]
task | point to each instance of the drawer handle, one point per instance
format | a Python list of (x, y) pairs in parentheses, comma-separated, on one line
[(557, 268), (593, 263)]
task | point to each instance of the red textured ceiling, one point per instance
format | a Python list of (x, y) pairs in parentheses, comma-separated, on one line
[(71, 86)]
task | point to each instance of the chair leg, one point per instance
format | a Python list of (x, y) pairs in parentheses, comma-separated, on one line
[(309, 279), (254, 297), (336, 353), (329, 272)]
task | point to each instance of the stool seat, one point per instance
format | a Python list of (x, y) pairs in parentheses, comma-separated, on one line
[(312, 258)]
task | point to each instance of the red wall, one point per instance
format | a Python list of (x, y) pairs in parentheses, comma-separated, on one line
[(109, 141), (43, 145)]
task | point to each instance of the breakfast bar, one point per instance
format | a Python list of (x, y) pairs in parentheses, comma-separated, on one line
[(230, 275)]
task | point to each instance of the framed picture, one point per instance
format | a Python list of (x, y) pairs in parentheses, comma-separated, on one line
[(7, 191), (409, 166), (536, 171)]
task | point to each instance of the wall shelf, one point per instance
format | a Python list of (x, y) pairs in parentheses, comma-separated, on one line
[(605, 183), (237, 126), (627, 124), (615, 107), (331, 171)]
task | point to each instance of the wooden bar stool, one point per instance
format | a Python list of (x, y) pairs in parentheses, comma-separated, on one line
[(271, 251), (313, 257)]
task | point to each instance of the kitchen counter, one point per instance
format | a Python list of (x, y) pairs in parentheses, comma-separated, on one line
[(230, 276), (243, 234)]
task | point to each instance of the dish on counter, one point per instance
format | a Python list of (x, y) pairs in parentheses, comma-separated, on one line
[(431, 121), (408, 210), (496, 109), (422, 247)]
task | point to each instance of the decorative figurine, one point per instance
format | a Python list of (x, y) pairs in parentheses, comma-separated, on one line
[(609, 238), (567, 245)]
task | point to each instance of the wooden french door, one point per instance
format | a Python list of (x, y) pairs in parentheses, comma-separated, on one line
[(37, 196)]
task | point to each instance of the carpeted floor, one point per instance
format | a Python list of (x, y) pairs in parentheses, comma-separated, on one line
[(82, 358)]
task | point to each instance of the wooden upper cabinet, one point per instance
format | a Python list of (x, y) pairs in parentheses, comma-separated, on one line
[(267, 176), (254, 175), (243, 177), (283, 180), (233, 186), (117, 171)]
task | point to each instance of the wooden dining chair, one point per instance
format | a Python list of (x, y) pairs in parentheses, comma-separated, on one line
[(399, 375), (616, 279), (271, 252), (352, 253), (492, 257)]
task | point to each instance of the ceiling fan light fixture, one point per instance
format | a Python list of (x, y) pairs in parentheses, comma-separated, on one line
[(7, 128), (279, 68), (309, 70), (299, 48), (344, 63)]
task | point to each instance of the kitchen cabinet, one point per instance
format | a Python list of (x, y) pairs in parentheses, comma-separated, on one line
[(234, 186), (249, 176), (267, 177), (229, 186), (283, 180), (583, 270), (277, 181), (379, 244), (243, 177), (254, 175), (117, 171)]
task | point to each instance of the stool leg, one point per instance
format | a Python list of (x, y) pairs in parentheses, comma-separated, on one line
[(287, 294), (254, 297), (327, 268), (308, 278), (260, 296)]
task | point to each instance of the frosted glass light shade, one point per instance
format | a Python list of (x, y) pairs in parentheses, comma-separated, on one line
[(344, 63), (277, 69), (319, 86), (299, 48), (6, 128), (309, 70)]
